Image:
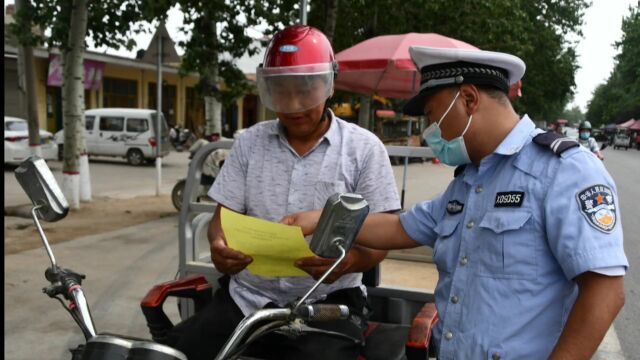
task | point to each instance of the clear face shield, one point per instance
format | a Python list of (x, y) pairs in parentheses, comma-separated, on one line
[(295, 89)]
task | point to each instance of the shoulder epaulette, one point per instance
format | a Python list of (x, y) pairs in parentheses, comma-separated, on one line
[(555, 142), (459, 170)]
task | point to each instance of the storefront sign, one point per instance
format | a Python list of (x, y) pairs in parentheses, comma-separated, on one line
[(92, 73)]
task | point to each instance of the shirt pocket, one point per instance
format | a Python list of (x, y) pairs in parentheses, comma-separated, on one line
[(507, 245), (323, 189), (445, 249)]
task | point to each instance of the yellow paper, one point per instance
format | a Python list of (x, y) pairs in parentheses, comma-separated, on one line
[(273, 247)]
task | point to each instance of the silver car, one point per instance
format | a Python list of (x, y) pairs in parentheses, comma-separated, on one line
[(16, 142)]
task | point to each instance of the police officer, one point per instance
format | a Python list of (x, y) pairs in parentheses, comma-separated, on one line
[(585, 139), (526, 238)]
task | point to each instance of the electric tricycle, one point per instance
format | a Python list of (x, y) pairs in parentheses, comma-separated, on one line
[(399, 328)]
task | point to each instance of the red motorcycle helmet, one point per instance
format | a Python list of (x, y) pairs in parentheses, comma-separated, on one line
[(298, 70)]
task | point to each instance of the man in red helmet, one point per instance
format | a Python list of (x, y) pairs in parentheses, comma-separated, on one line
[(287, 165)]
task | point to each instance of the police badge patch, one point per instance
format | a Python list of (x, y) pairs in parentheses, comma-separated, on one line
[(597, 206)]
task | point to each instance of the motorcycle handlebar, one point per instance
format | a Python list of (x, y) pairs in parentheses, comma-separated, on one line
[(82, 311), (68, 283), (322, 312)]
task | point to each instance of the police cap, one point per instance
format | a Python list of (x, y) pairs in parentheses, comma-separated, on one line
[(442, 67)]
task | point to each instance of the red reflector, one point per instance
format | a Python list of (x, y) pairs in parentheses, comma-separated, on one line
[(152, 142)]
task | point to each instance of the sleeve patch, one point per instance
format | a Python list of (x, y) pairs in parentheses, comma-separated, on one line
[(598, 207)]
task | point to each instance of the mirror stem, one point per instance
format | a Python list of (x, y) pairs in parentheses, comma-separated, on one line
[(43, 236), (338, 243)]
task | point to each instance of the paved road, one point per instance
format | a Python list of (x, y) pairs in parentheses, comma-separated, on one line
[(111, 177), (121, 266), (624, 166)]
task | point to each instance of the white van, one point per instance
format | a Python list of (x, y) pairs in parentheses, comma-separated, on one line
[(128, 133)]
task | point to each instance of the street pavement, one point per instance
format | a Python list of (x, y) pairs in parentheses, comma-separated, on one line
[(111, 177), (624, 166), (122, 265)]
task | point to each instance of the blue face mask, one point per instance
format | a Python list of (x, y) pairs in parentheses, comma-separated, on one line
[(584, 135), (452, 152)]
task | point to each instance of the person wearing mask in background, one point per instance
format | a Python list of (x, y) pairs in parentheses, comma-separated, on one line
[(585, 139), (526, 238)]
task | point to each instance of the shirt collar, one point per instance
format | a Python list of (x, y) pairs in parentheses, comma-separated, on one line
[(514, 142), (517, 138), (332, 135)]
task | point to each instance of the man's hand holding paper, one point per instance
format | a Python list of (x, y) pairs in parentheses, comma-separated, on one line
[(273, 247)]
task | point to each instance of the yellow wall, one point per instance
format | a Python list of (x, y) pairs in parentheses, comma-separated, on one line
[(143, 78)]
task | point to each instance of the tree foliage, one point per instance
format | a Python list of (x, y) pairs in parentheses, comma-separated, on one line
[(574, 115), (217, 36), (535, 30), (109, 23), (618, 99)]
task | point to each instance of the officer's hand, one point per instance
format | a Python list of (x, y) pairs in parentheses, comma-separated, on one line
[(317, 266), (227, 260), (307, 220)]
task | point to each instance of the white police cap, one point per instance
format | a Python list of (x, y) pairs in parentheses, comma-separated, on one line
[(442, 67)]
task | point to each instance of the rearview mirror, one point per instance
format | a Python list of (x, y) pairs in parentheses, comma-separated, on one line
[(38, 182), (340, 222)]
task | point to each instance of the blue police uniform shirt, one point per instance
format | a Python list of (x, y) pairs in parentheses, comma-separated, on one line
[(508, 239)]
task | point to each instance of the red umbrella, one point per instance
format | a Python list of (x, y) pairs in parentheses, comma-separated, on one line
[(635, 126), (627, 124), (382, 65)]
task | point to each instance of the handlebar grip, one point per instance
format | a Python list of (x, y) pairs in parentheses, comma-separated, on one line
[(323, 312)]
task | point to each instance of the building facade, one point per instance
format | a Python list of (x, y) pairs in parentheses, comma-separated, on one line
[(114, 81)]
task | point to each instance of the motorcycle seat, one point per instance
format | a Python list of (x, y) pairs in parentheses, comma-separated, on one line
[(384, 341)]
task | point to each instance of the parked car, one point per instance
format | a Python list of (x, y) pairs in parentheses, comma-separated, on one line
[(16, 142), (128, 133)]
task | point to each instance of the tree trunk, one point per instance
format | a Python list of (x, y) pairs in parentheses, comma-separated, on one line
[(28, 89), (212, 106), (331, 7), (75, 149), (213, 115), (32, 106)]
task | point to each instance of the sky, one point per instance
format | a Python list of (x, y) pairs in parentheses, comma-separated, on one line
[(596, 51)]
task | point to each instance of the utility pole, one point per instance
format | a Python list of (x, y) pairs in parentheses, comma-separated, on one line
[(159, 116), (303, 12)]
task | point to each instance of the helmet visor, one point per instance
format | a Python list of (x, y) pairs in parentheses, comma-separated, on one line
[(295, 89)]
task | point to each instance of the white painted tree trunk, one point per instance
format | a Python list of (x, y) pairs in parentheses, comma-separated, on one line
[(73, 108), (85, 179), (71, 189), (213, 115)]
